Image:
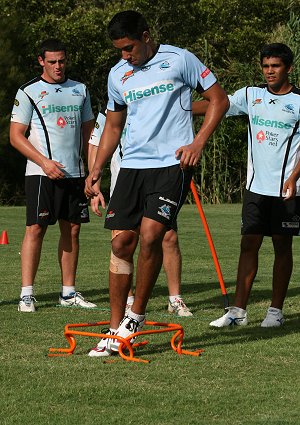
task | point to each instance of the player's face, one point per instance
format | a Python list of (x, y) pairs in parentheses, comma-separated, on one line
[(276, 73), (54, 66), (135, 52)]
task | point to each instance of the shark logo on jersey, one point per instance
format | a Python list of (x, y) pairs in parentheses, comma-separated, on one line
[(43, 94), (61, 122), (165, 211), (289, 109), (260, 136), (165, 65), (256, 102), (145, 68), (128, 74), (76, 92)]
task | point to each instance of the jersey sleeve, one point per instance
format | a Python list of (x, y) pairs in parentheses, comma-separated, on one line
[(238, 103), (22, 109), (115, 101), (87, 112), (98, 130), (195, 74)]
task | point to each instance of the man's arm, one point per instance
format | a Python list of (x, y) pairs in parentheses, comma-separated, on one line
[(289, 187), (98, 199), (18, 140), (109, 141), (199, 107), (87, 128), (217, 106)]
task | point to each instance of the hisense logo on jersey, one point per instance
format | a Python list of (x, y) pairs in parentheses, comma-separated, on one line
[(257, 120), (148, 91), (51, 109)]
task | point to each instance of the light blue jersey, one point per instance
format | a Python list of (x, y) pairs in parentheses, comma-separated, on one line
[(158, 100), (54, 113), (273, 136)]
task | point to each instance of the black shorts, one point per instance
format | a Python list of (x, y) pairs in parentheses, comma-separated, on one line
[(50, 200), (270, 215), (156, 193)]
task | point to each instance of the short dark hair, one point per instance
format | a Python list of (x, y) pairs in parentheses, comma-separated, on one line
[(128, 24), (277, 50), (51, 45)]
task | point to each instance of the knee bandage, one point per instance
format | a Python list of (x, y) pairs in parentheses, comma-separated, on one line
[(119, 266)]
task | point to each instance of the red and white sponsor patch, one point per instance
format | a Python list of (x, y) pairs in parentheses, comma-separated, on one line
[(205, 73)]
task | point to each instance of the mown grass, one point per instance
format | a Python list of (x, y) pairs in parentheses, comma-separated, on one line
[(246, 376)]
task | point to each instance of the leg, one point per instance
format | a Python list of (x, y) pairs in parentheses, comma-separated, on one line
[(172, 261), (68, 250), (123, 247), (282, 268), (247, 268), (149, 262), (31, 252)]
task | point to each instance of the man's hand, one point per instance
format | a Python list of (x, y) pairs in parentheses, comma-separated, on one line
[(91, 190), (188, 155), (96, 201), (52, 169)]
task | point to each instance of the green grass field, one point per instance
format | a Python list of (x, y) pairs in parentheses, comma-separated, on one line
[(246, 376)]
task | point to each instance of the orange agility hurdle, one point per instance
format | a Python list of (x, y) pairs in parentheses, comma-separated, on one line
[(176, 340), (211, 244)]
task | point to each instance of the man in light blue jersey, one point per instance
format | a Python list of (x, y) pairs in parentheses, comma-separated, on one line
[(271, 205), (172, 260), (58, 113), (151, 85)]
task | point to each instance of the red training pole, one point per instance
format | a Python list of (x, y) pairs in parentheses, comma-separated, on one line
[(211, 244)]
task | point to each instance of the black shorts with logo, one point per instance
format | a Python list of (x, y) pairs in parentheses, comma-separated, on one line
[(50, 200), (270, 215), (156, 193)]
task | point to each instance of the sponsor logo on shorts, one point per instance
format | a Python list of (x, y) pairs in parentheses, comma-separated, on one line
[(84, 213), (161, 198), (165, 211), (16, 102), (44, 214), (290, 225), (110, 214)]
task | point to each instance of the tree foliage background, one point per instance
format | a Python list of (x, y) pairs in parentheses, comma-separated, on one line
[(227, 36)]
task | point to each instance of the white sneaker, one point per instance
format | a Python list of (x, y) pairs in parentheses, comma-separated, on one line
[(273, 319), (128, 326), (234, 316), (179, 308), (26, 304), (75, 299), (103, 348)]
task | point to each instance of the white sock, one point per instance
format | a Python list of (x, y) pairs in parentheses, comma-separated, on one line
[(173, 298), (239, 310), (130, 300), (138, 317), (26, 291), (67, 290), (112, 331)]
